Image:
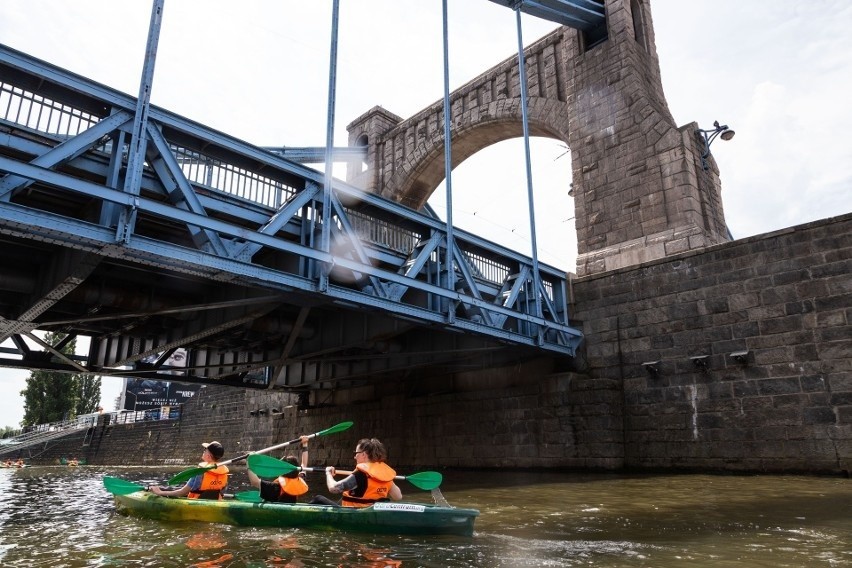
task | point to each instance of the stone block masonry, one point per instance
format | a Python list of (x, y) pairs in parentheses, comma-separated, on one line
[(751, 342), (753, 348), (640, 191), (528, 417)]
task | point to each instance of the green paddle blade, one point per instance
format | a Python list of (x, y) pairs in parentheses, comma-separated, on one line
[(118, 486), (266, 466), (426, 480), (248, 496), (188, 474), (335, 429)]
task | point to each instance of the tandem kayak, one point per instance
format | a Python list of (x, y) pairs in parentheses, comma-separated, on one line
[(385, 517)]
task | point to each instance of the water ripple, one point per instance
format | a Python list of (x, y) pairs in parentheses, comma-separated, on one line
[(63, 517)]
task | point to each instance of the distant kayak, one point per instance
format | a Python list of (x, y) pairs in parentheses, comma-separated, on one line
[(385, 517)]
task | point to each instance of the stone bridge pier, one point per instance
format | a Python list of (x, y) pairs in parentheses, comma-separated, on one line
[(640, 190)]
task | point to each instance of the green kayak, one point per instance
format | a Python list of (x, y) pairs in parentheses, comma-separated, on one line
[(385, 517)]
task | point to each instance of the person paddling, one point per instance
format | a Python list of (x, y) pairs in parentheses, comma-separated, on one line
[(372, 480), (208, 485), (286, 488)]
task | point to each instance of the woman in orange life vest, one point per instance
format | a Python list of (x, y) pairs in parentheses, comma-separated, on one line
[(209, 485), (286, 488), (371, 481)]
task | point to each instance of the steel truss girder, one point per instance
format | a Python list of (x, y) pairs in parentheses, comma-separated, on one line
[(228, 237), (580, 14)]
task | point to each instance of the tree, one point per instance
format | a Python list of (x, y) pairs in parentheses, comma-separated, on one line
[(48, 397), (52, 396), (88, 389)]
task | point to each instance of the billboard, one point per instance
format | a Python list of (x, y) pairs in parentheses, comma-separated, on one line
[(147, 394)]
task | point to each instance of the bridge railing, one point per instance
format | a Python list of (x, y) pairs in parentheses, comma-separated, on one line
[(42, 114), (231, 195), (49, 117), (217, 174)]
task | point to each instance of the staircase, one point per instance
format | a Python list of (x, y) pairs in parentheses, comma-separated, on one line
[(44, 433)]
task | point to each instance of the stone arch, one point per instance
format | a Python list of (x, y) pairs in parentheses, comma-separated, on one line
[(413, 186), (640, 192)]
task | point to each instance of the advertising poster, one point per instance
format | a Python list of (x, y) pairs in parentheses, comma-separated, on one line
[(148, 394)]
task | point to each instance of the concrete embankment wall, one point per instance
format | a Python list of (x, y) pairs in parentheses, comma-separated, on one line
[(781, 301)]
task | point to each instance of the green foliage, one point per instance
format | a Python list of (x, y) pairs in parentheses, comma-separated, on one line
[(88, 389), (52, 396), (7, 432), (48, 397)]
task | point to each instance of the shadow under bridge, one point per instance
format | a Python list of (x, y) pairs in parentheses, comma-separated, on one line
[(220, 253)]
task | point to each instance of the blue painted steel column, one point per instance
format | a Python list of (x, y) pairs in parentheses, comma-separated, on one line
[(522, 70), (448, 168), (139, 138), (329, 144)]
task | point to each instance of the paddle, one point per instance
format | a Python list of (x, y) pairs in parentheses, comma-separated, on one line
[(248, 496), (266, 466), (188, 474), (118, 486)]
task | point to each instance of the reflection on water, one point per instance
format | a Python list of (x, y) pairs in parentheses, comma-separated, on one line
[(55, 516)]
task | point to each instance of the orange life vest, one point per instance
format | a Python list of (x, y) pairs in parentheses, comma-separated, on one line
[(293, 486), (379, 481), (212, 484)]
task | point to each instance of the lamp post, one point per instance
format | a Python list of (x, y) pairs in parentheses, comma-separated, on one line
[(135, 398), (709, 135)]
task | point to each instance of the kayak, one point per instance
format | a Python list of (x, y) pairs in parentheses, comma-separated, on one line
[(385, 517)]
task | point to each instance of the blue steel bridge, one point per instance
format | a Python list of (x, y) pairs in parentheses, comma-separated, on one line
[(220, 251)]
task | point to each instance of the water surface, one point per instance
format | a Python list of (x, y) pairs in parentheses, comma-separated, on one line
[(62, 517)]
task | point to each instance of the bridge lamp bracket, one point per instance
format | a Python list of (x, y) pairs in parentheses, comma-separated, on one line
[(708, 136)]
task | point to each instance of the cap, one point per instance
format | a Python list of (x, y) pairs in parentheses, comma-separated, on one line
[(215, 448)]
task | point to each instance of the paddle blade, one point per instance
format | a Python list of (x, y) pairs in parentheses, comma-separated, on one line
[(248, 496), (188, 474), (335, 429), (118, 486), (425, 480), (266, 466)]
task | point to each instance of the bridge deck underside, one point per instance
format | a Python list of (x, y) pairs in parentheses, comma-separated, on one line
[(580, 14), (219, 252)]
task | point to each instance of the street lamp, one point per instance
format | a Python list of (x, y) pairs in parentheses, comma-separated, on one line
[(709, 135), (135, 398)]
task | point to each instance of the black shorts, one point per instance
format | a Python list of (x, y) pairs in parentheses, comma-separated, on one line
[(271, 491)]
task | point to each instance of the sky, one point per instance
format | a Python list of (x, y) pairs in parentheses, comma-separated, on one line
[(778, 72)]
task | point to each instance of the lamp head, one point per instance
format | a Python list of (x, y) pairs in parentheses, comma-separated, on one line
[(727, 134)]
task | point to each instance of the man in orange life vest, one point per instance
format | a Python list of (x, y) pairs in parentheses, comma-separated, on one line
[(286, 488), (371, 481), (209, 485)]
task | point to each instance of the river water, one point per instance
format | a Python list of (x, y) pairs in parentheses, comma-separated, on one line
[(63, 517)]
